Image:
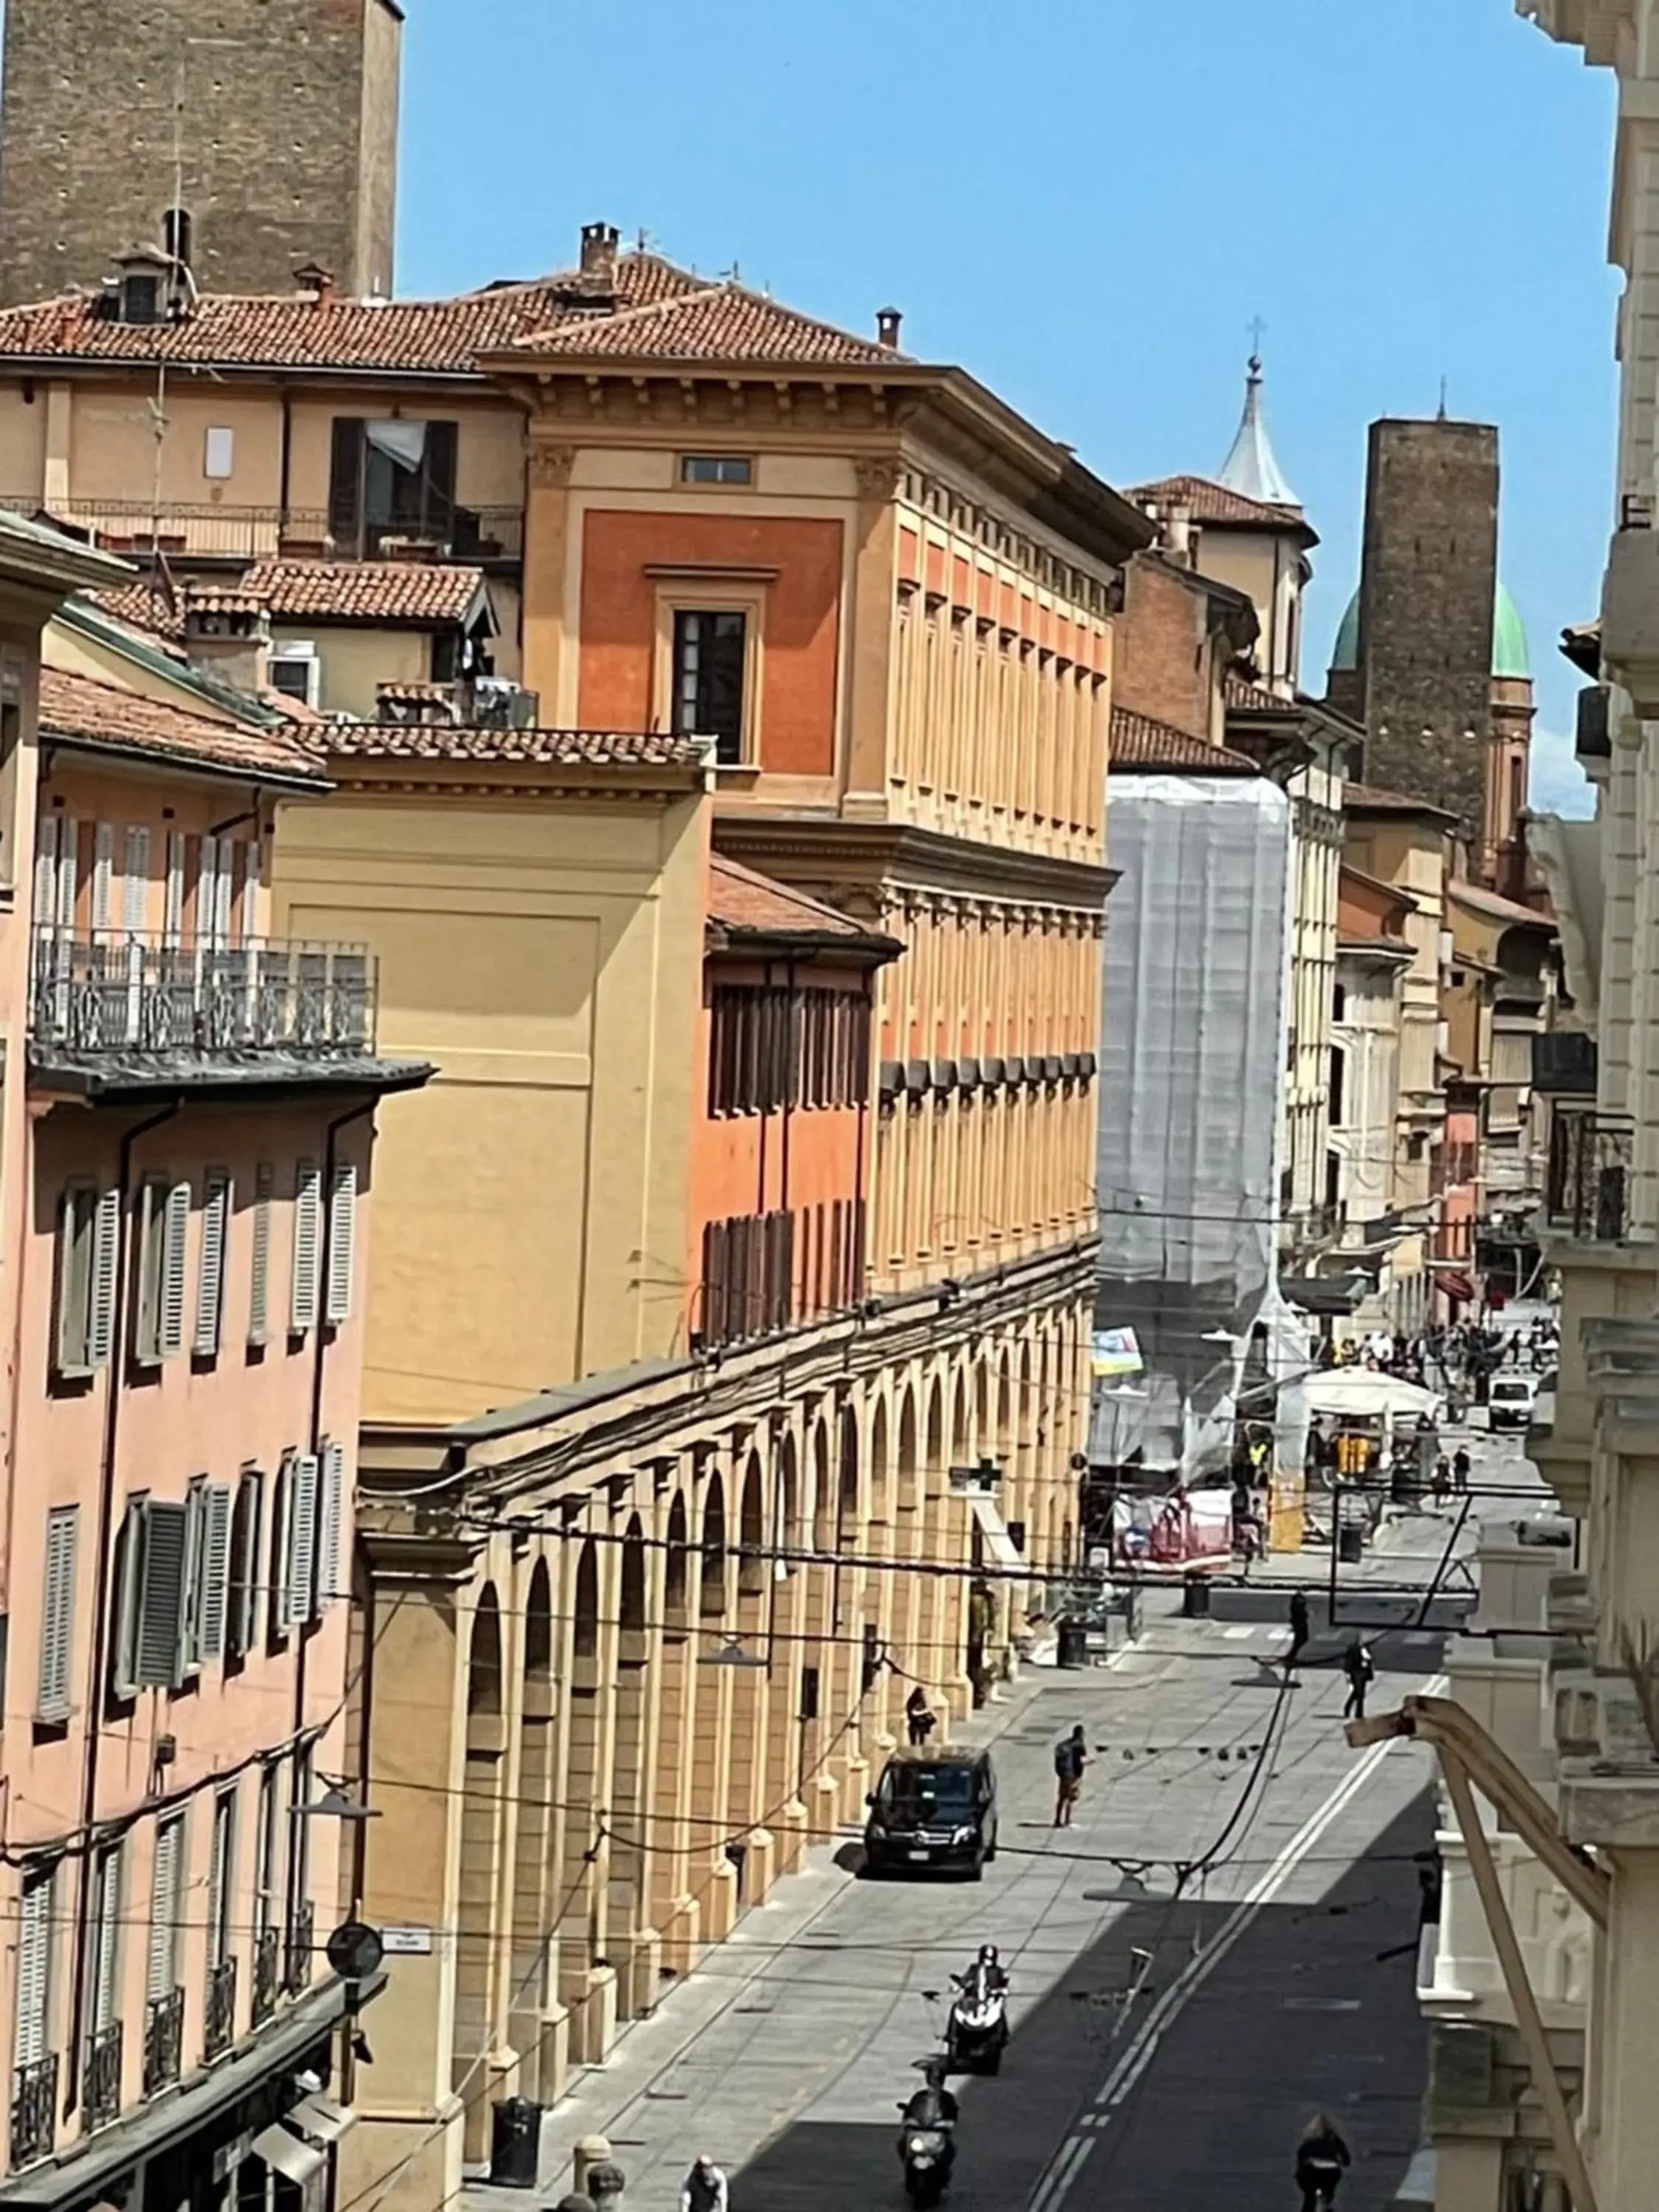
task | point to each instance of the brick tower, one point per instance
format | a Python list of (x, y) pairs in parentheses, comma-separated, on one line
[(280, 115), (1420, 672)]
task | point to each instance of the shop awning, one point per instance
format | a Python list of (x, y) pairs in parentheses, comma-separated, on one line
[(284, 2152), (321, 2119), (1001, 1549)]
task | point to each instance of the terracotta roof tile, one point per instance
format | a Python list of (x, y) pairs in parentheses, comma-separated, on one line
[(1368, 798), (1254, 698), (141, 606), (1141, 741), (79, 707), (436, 741), (721, 322), (415, 592), (740, 898), (441, 338), (1207, 501)]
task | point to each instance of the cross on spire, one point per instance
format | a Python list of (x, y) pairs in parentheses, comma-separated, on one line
[(1258, 332)]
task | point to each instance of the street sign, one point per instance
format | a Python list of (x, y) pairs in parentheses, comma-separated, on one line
[(409, 1942)]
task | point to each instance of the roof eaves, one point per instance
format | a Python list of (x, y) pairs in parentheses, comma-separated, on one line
[(179, 762)]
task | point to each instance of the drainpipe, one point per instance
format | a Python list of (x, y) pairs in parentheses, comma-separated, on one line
[(118, 1353)]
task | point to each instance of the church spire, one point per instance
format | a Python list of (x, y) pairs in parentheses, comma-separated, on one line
[(1252, 467)]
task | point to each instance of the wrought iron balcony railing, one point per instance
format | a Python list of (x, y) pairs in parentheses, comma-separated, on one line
[(297, 1966), (267, 1962), (101, 2076), (34, 2109), (1588, 1188), (135, 994), (164, 2040), (219, 2026), (199, 529)]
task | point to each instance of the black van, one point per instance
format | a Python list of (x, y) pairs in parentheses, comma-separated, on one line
[(932, 1808)]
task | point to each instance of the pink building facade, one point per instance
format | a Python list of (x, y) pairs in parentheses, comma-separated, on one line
[(185, 1239)]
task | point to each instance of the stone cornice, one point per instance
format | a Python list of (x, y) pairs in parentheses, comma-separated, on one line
[(900, 857)]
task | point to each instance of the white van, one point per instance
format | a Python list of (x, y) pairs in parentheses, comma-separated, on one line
[(1509, 1400)]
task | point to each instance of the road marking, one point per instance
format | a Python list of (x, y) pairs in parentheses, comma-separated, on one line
[(1056, 2182), (1238, 1633)]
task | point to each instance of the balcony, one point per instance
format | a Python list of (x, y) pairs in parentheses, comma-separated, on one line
[(219, 2028), (297, 1966), (132, 1009), (101, 2076), (164, 2041), (33, 2111), (200, 531), (267, 1959), (1587, 1194)]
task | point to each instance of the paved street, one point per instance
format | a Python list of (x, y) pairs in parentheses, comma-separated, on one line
[(1280, 1981)]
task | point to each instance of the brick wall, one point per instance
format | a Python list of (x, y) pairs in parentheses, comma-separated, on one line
[(1162, 656), (288, 138), (1429, 588)]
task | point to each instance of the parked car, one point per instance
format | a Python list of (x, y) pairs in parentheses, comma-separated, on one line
[(1509, 1400), (933, 1810)]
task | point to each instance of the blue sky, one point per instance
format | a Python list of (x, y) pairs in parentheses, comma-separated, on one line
[(1087, 205)]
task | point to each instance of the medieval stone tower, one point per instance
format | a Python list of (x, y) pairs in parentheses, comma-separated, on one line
[(251, 137)]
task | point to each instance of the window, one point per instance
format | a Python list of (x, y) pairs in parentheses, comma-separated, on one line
[(1339, 1002), (258, 1304), (267, 1855), (155, 1561), (242, 1577), (108, 1884), (89, 1229), (178, 233), (341, 1242), (206, 1572), (295, 670), (219, 458), (278, 1576), (390, 479), (711, 650), (210, 1277), (300, 1574), (52, 1701), (222, 1879), (163, 1223), (36, 1922), (140, 298), (717, 469), (299, 1887), (307, 1285), (165, 1895), (1338, 1085), (770, 1048)]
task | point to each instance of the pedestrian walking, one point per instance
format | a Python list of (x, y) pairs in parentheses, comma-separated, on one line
[(1070, 1757), (1298, 1629), (1356, 1666), (704, 2188), (920, 1718), (1460, 1466)]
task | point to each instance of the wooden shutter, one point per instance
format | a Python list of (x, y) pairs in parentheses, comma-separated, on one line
[(101, 1298), (242, 1579), (163, 1538), (73, 1273), (330, 1516), (134, 881), (258, 1304), (58, 1614), (69, 871), (215, 1571), (175, 1230), (307, 1246), (210, 1277), (34, 1935), (45, 871), (302, 1539), (103, 877), (341, 1242), (438, 470), (345, 482), (221, 1874), (173, 911), (106, 1938), (165, 1882), (280, 1578)]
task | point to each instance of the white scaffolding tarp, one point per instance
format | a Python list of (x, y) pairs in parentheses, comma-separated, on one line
[(1191, 1077)]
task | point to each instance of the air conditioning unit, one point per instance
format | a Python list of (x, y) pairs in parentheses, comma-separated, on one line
[(497, 703)]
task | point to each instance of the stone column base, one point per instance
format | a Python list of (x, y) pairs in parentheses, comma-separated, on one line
[(547, 2067), (496, 2078), (760, 1867), (639, 1974), (823, 1816), (681, 1936), (719, 1903), (593, 2016), (855, 1783), (791, 1826)]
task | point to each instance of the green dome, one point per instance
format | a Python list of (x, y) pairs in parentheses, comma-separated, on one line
[(1509, 639)]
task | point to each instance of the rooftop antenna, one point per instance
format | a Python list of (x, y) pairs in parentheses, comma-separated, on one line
[(1441, 417), (158, 409)]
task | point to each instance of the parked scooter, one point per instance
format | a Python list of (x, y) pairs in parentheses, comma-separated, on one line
[(977, 2029)]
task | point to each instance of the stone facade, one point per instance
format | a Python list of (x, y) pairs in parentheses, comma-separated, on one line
[(282, 116), (1425, 630)]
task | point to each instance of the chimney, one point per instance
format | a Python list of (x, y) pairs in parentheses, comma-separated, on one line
[(600, 242), (227, 634), (888, 321), (1178, 533), (314, 278)]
